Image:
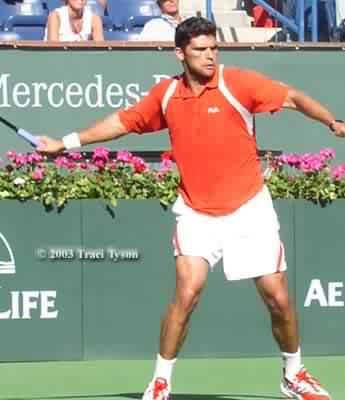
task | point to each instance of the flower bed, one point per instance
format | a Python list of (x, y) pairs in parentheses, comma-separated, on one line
[(70, 176), (308, 176), (125, 176)]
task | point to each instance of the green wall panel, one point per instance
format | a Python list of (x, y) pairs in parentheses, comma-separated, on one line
[(40, 302), (107, 301), (320, 277), (123, 301)]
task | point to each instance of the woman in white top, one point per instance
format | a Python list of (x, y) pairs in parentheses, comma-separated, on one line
[(74, 22)]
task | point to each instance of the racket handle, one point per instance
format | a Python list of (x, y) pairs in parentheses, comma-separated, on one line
[(32, 139)]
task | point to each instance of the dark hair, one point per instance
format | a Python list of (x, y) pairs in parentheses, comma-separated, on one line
[(191, 28)]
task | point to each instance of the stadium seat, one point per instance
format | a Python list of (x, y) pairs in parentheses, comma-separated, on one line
[(52, 4), (28, 27), (9, 37), (123, 12), (121, 35), (27, 8), (136, 23)]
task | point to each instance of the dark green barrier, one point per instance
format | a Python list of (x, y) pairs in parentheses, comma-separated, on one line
[(123, 301), (55, 92), (91, 283), (125, 291), (40, 301), (320, 276)]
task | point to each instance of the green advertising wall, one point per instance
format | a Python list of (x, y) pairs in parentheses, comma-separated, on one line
[(92, 282), (56, 91)]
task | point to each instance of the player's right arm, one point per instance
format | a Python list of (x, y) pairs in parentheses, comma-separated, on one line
[(145, 116), (108, 129)]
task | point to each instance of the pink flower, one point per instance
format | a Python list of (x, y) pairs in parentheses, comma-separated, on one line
[(61, 162), (338, 172), (327, 153), (139, 164), (167, 160), (290, 159), (101, 153), (34, 158), (21, 159), (11, 155), (84, 165), (167, 155), (167, 165), (311, 163), (100, 164), (71, 165), (124, 156), (75, 156), (38, 174), (112, 165)]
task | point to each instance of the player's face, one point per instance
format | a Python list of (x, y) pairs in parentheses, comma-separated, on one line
[(200, 56), (169, 7)]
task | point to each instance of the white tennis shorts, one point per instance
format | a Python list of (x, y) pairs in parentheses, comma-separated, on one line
[(248, 239)]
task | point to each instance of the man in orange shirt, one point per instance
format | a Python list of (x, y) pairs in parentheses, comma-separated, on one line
[(223, 209)]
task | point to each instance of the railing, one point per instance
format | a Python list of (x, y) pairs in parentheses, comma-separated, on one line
[(288, 23), (209, 12)]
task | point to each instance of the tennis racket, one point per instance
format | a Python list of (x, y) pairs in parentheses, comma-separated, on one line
[(29, 137)]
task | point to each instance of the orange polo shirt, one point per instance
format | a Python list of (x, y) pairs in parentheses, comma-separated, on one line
[(214, 152)]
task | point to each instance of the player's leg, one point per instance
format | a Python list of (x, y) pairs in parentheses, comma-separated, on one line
[(254, 250), (297, 383), (196, 247), (273, 289), (191, 276)]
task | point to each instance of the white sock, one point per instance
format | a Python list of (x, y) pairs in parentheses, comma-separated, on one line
[(292, 363), (164, 369)]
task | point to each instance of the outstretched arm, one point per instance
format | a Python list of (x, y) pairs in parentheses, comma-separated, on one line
[(107, 129), (297, 100)]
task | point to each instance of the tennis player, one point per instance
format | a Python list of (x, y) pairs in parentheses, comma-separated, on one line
[(223, 209)]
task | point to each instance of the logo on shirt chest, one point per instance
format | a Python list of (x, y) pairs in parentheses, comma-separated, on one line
[(213, 110)]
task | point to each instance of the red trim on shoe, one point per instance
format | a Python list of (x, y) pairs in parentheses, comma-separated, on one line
[(159, 385), (305, 387)]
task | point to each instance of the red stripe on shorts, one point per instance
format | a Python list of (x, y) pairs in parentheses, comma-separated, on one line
[(177, 244), (280, 258)]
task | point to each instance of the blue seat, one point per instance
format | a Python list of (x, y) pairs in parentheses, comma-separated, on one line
[(52, 4), (136, 23), (124, 12), (107, 23), (121, 35), (25, 8), (27, 27)]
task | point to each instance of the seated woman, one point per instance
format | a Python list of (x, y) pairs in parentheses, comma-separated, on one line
[(74, 22)]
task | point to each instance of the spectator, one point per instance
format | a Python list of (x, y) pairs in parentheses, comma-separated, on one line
[(74, 22), (163, 28)]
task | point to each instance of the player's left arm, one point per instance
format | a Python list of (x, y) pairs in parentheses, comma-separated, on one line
[(297, 100)]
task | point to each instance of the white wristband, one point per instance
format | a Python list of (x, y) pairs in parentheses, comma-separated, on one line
[(71, 141)]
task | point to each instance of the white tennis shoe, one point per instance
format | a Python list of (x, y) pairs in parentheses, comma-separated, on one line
[(303, 387), (157, 390)]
